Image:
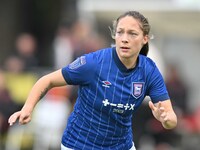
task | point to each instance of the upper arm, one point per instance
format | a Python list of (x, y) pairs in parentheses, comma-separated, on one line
[(157, 89), (56, 78), (81, 71)]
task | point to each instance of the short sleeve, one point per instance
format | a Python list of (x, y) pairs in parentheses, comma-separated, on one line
[(81, 71), (157, 89)]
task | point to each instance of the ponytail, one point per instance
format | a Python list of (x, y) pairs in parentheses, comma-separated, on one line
[(145, 49)]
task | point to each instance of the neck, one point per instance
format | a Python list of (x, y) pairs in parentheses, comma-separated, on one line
[(129, 63)]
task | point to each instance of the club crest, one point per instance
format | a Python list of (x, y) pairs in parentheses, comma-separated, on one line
[(137, 89), (78, 63)]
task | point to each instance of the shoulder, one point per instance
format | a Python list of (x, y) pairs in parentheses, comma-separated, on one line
[(100, 54), (148, 66), (146, 62)]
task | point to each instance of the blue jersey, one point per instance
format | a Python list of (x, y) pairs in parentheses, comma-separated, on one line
[(108, 96)]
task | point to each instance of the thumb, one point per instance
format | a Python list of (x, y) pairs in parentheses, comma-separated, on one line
[(151, 105)]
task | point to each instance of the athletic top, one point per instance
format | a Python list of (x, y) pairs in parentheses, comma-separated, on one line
[(108, 96)]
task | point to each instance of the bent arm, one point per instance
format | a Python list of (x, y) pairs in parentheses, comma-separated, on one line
[(41, 87), (164, 113)]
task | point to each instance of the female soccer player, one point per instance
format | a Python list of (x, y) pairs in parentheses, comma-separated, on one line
[(113, 82)]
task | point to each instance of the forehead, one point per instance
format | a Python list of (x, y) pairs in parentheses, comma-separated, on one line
[(129, 22)]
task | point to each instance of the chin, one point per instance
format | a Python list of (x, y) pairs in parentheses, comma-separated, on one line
[(125, 56)]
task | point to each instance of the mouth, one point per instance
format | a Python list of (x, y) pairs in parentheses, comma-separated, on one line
[(124, 49)]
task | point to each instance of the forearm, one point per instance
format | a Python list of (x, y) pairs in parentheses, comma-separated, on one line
[(38, 91), (42, 86)]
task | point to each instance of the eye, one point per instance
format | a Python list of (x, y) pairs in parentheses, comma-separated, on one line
[(119, 32), (133, 34)]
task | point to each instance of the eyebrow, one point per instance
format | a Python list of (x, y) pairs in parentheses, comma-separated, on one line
[(132, 30)]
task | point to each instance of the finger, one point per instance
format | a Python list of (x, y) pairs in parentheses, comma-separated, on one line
[(151, 105), (162, 109), (27, 120), (166, 118), (159, 104), (24, 119), (163, 115), (21, 119), (13, 118)]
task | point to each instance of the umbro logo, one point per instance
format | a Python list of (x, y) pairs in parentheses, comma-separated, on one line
[(106, 84)]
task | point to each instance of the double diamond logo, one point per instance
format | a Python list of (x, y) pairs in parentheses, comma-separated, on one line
[(106, 84)]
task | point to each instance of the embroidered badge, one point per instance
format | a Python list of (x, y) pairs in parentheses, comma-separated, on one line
[(137, 89), (78, 63)]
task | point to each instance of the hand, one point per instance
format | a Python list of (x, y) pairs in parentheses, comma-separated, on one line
[(159, 112), (23, 116)]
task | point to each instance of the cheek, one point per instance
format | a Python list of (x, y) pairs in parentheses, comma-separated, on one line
[(137, 43), (117, 41), (140, 42)]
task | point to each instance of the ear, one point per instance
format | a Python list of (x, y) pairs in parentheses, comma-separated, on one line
[(145, 39)]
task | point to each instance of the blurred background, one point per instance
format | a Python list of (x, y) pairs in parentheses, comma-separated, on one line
[(37, 37)]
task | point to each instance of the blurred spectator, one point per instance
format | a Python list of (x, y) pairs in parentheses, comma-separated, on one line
[(85, 39), (80, 31), (178, 89), (26, 48), (7, 107), (14, 64), (18, 81), (63, 49)]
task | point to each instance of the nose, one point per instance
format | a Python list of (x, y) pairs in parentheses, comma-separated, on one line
[(125, 38)]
